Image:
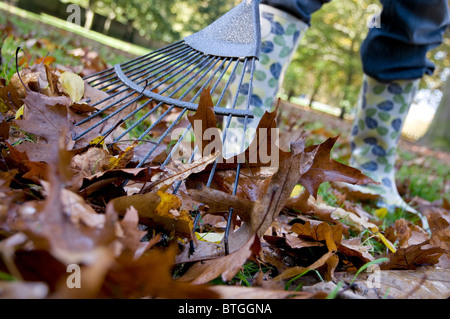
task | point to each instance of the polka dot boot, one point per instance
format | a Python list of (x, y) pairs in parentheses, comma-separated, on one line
[(280, 35), (375, 134)]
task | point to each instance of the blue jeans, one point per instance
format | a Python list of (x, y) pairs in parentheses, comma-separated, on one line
[(397, 50)]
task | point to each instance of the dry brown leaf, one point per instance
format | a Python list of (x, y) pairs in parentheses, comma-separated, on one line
[(325, 169), (355, 252), (218, 201), (413, 257), (226, 267), (93, 161), (158, 210), (10, 99), (320, 231), (131, 236), (297, 270), (45, 116), (177, 171), (77, 209), (421, 283), (4, 131), (150, 276), (239, 292), (204, 120), (406, 233)]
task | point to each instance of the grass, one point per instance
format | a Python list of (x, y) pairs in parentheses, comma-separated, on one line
[(425, 181), (245, 276), (73, 28), (40, 35)]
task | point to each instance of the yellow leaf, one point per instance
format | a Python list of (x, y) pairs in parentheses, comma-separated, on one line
[(73, 85), (297, 190), (381, 212), (381, 237), (98, 140), (19, 113), (214, 238), (158, 210), (169, 209), (3, 107)]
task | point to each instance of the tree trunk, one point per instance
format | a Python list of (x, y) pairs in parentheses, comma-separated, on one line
[(317, 85), (290, 94), (438, 134), (90, 14), (350, 72), (108, 22)]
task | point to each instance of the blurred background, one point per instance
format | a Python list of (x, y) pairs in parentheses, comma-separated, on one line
[(325, 74)]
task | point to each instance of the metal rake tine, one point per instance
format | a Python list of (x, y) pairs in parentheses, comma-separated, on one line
[(196, 55), (190, 125), (137, 72), (132, 62), (99, 112), (156, 107), (148, 56), (186, 93), (213, 169), (238, 170), (212, 63), (108, 117), (192, 59)]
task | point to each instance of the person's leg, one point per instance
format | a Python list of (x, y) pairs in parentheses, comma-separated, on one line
[(394, 60), (283, 23)]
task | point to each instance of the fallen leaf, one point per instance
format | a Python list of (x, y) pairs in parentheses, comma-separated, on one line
[(4, 131), (37, 171), (421, 283), (10, 98), (94, 161), (406, 233), (204, 125), (45, 116), (177, 171), (413, 257), (320, 231), (226, 267), (150, 276), (252, 293), (132, 236), (355, 251), (325, 169), (73, 85), (157, 210)]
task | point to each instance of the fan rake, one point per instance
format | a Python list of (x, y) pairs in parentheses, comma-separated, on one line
[(220, 58)]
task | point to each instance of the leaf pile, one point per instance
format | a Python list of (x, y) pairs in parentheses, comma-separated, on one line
[(65, 203)]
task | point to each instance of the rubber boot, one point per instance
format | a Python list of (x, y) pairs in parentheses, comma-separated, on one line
[(280, 36), (375, 134)]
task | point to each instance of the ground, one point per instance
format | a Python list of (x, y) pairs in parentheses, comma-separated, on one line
[(63, 208)]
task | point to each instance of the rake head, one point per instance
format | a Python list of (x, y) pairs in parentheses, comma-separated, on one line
[(167, 83)]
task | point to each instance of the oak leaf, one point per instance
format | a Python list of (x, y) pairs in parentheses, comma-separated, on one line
[(324, 168), (159, 210), (414, 256)]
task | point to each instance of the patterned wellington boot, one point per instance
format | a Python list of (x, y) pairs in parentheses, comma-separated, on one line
[(375, 134), (280, 35)]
